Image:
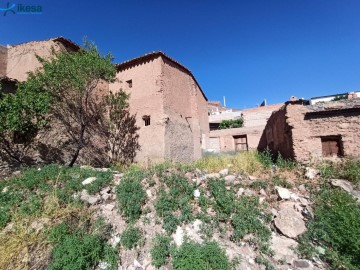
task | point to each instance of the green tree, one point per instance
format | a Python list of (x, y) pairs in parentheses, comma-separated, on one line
[(232, 123), (73, 79), (24, 114)]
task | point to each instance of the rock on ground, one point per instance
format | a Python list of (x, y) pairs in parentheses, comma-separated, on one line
[(289, 222), (283, 248), (283, 193), (88, 180), (224, 172), (311, 173)]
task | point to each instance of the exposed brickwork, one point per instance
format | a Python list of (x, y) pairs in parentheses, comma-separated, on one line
[(296, 130)]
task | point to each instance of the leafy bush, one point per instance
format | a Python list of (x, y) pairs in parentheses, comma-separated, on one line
[(79, 250), (131, 195), (130, 237), (250, 219), (336, 227), (160, 250), (224, 199), (232, 123), (194, 256), (262, 261), (174, 196)]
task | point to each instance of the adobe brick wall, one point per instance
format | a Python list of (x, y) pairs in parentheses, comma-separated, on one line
[(296, 130), (3, 61), (186, 108), (307, 131), (226, 137), (277, 134), (22, 58), (146, 98)]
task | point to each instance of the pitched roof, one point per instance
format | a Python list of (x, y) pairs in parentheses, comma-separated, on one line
[(155, 54)]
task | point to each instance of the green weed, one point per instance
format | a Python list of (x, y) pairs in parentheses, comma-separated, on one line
[(160, 250), (194, 256), (131, 196), (336, 227), (131, 237)]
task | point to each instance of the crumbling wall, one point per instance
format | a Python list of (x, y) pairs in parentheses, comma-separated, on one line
[(277, 135), (181, 109), (3, 61), (146, 99), (309, 126)]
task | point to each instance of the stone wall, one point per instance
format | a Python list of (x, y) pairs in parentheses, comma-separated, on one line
[(3, 61), (296, 131)]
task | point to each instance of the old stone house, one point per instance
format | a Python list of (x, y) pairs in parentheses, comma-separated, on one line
[(311, 132), (169, 104)]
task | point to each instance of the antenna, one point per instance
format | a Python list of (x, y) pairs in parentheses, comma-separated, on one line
[(224, 102)]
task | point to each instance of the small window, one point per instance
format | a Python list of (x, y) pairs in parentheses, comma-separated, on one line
[(129, 83), (331, 146), (146, 119)]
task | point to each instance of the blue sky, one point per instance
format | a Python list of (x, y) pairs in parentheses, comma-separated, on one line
[(245, 50)]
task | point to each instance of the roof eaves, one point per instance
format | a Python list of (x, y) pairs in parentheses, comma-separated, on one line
[(152, 55)]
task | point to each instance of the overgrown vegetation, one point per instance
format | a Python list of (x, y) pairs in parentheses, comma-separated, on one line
[(66, 93), (194, 256), (160, 250), (131, 195), (232, 123), (335, 227), (131, 237), (348, 169), (174, 201)]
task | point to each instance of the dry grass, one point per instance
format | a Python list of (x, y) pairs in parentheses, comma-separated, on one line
[(245, 162), (24, 248)]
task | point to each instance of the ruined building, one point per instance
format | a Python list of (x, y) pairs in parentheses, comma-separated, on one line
[(169, 104), (311, 132)]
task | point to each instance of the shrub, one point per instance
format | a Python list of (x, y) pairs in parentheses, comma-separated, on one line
[(258, 184), (176, 199), (336, 227), (281, 182), (194, 256), (160, 250), (249, 219), (130, 237), (224, 199), (79, 250), (131, 196), (232, 123)]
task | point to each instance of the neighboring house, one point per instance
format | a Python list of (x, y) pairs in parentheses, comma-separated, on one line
[(310, 132), (169, 105), (239, 139), (328, 98)]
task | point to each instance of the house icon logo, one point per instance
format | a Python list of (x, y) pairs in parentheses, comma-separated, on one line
[(9, 8)]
